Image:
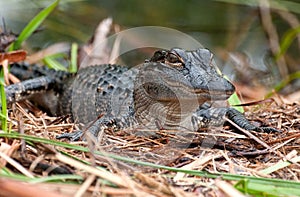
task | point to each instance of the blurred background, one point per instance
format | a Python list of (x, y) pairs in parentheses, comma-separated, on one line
[(255, 42)]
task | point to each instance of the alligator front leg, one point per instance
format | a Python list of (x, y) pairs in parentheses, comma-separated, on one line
[(207, 116), (94, 129)]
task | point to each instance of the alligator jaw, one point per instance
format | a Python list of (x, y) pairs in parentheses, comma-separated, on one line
[(214, 94), (201, 96), (184, 92)]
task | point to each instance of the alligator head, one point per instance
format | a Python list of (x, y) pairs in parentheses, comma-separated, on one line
[(174, 83)]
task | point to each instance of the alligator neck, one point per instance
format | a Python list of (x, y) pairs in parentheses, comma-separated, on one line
[(151, 112)]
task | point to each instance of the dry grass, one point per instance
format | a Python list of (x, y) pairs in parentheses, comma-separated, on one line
[(213, 150)]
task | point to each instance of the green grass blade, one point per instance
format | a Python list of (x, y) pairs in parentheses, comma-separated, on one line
[(55, 178), (73, 65), (3, 103), (287, 40), (52, 63), (4, 172), (52, 178), (284, 83), (234, 100), (33, 25), (279, 165), (261, 189)]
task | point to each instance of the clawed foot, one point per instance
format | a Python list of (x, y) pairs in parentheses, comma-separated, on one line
[(266, 130), (75, 136), (92, 130)]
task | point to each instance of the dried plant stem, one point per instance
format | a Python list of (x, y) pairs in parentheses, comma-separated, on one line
[(272, 35), (291, 19)]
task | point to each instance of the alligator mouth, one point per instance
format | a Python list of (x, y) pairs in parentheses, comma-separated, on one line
[(213, 94), (189, 94), (205, 92)]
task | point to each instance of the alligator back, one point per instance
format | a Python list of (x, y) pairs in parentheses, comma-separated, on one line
[(97, 90)]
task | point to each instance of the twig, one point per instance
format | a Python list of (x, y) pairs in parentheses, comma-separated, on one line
[(17, 165), (100, 173), (228, 189), (84, 187), (5, 71), (252, 153), (14, 56), (250, 135)]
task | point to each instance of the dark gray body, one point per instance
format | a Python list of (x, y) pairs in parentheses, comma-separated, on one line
[(174, 89)]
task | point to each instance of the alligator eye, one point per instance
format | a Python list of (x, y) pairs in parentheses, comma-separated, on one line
[(174, 60)]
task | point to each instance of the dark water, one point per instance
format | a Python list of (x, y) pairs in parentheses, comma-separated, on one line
[(221, 27), (209, 21)]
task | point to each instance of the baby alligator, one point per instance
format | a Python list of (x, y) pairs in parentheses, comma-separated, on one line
[(174, 89)]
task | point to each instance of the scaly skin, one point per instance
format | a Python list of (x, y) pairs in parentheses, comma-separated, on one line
[(172, 90)]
